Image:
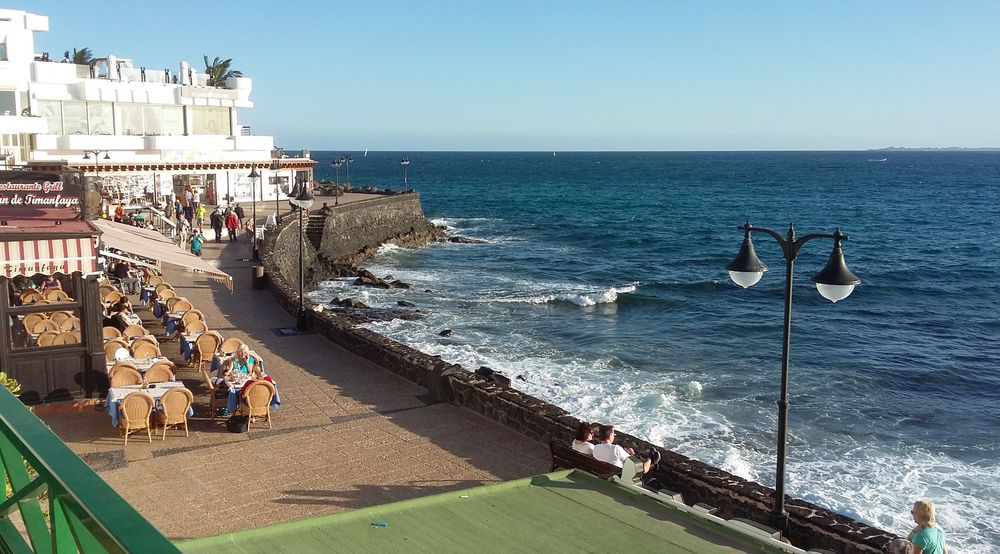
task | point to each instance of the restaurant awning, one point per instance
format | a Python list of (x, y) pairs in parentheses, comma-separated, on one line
[(57, 254), (150, 244)]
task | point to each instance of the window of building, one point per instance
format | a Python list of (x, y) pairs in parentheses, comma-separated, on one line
[(3, 51), (131, 119), (101, 118), (173, 120), (75, 118), (52, 112), (8, 104), (210, 120)]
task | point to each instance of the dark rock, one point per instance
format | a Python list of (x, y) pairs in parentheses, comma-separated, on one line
[(521, 378), (428, 290), (405, 304), (446, 333), (465, 240), (398, 285)]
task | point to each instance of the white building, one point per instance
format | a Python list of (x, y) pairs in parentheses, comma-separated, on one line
[(140, 132)]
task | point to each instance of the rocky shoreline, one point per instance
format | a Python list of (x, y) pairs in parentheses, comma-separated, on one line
[(488, 392)]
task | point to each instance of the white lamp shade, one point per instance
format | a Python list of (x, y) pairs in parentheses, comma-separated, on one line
[(746, 279), (835, 293)]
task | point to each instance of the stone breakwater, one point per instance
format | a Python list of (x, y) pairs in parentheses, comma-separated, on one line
[(399, 219)]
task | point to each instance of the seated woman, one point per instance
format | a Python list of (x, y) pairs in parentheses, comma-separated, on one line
[(584, 434), (52, 283), (245, 367), (118, 315)]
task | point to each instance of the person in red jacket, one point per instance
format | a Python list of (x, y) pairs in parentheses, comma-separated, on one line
[(232, 223)]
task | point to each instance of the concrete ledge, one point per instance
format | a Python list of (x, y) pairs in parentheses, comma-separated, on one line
[(810, 526)]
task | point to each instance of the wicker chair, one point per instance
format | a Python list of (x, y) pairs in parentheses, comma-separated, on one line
[(256, 399), (30, 296), (134, 331), (162, 287), (205, 346), (195, 326), (175, 403), (143, 349), (159, 373), (45, 325), (182, 305), (122, 376), (106, 288), (71, 324), (154, 280), (112, 297), (192, 315), (31, 320), (47, 338), (134, 411), (65, 337), (166, 294), (211, 392), (57, 295), (112, 346), (60, 317), (120, 364), (111, 333), (230, 345)]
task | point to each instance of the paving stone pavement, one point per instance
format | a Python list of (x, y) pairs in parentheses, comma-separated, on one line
[(349, 433)]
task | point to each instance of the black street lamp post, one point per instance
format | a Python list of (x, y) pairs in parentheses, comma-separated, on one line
[(835, 282), (97, 160), (405, 162), (254, 176), (347, 176), (275, 167), (303, 201), (336, 182)]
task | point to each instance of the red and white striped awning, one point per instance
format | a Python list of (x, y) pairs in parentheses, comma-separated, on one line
[(65, 255)]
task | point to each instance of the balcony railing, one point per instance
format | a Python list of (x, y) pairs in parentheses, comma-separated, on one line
[(84, 514)]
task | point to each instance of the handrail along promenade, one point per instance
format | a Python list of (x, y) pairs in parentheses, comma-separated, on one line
[(84, 513)]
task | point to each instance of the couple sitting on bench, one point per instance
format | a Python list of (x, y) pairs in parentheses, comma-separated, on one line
[(608, 452)]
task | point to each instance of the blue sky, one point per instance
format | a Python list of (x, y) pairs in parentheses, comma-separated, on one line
[(577, 75)]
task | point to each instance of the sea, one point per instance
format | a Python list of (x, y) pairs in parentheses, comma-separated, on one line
[(599, 285)]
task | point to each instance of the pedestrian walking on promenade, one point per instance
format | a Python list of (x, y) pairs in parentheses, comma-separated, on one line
[(232, 223), (218, 221)]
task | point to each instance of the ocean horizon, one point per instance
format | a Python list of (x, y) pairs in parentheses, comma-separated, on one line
[(599, 285)]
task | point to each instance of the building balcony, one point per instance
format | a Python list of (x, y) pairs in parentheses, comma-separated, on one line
[(16, 124)]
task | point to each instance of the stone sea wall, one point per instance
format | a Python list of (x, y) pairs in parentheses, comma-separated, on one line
[(810, 526)]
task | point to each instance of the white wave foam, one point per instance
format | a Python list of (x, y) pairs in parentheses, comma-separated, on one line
[(735, 464), (608, 296), (693, 390), (386, 247)]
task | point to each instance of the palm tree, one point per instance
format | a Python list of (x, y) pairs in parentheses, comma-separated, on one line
[(82, 56), (218, 71)]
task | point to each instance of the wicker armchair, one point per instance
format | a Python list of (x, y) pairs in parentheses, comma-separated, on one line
[(154, 280), (211, 392), (143, 349), (162, 287), (60, 317), (111, 348), (122, 376), (31, 320), (256, 399), (45, 325), (159, 373), (181, 305), (175, 403), (122, 363), (134, 331), (195, 326), (65, 337), (205, 346), (134, 411), (111, 332), (30, 296), (193, 314), (57, 295), (71, 324), (230, 345), (112, 297), (47, 338)]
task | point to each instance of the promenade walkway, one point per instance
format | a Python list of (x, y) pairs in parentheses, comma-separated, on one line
[(349, 434)]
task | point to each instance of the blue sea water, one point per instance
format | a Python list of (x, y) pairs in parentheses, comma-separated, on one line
[(602, 284)]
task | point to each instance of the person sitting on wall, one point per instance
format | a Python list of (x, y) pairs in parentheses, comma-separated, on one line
[(584, 434), (608, 452)]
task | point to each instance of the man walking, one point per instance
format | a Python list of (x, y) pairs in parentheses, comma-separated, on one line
[(232, 223), (217, 221)]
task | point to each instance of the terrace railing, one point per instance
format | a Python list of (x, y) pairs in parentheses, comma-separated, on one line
[(84, 513)]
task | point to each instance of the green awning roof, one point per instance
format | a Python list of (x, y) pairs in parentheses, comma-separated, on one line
[(566, 511)]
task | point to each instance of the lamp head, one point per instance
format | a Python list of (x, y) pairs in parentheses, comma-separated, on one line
[(86, 155), (107, 156), (835, 282), (746, 268), (304, 199), (254, 174)]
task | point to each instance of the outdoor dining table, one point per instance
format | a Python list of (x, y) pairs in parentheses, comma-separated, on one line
[(156, 390), (171, 320), (187, 344), (146, 294), (142, 365)]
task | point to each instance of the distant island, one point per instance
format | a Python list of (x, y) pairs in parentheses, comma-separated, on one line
[(946, 148)]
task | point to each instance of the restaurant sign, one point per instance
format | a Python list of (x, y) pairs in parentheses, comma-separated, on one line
[(34, 189)]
